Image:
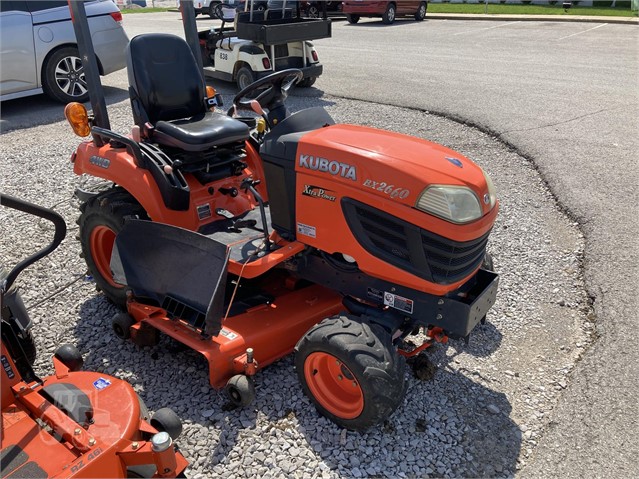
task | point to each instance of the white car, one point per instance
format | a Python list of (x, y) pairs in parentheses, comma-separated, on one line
[(38, 49)]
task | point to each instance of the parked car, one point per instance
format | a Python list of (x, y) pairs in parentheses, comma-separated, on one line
[(388, 11), (38, 49), (314, 9)]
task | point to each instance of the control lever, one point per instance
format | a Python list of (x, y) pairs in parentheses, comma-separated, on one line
[(249, 184)]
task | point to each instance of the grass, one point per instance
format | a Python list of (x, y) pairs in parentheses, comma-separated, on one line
[(495, 9), (144, 10)]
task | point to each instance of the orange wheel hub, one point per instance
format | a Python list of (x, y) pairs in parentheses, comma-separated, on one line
[(333, 385), (101, 243)]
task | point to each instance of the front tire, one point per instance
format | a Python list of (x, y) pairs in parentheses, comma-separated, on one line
[(389, 15), (421, 12), (63, 76), (102, 218), (351, 371), (352, 19)]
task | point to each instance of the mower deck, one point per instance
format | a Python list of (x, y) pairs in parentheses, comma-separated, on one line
[(271, 329)]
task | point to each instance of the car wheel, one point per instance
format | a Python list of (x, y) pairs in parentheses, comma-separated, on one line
[(213, 12), (244, 77), (352, 19), (389, 15), (63, 76), (421, 12)]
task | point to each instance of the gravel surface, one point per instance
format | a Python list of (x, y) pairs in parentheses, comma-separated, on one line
[(481, 415)]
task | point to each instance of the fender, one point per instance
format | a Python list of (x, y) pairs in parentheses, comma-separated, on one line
[(253, 60), (118, 166)]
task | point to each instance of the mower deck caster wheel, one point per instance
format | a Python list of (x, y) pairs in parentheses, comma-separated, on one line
[(69, 355), (240, 390), (423, 368), (121, 324), (165, 420)]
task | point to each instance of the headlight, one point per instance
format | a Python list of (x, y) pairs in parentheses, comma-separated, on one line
[(492, 195), (453, 203)]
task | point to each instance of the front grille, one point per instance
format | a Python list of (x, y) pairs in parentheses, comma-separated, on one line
[(418, 251)]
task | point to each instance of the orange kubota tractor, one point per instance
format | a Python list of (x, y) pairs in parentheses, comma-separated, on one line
[(294, 233), (73, 423)]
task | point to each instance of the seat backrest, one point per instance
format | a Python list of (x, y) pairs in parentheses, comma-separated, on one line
[(164, 77)]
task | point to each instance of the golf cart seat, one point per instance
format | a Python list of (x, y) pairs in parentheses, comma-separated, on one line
[(168, 96)]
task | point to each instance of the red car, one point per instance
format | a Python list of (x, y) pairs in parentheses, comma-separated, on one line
[(388, 11)]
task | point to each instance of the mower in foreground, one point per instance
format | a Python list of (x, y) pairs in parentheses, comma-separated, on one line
[(247, 238), (73, 423)]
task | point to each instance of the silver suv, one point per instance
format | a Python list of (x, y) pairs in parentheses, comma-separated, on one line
[(38, 49)]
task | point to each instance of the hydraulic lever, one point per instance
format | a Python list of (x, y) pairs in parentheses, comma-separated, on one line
[(247, 185)]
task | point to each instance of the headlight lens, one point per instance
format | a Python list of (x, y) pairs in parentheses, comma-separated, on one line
[(453, 203)]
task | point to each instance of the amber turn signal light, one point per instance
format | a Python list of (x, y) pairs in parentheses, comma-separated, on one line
[(77, 116)]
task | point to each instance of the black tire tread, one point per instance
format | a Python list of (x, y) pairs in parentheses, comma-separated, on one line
[(365, 348), (116, 206)]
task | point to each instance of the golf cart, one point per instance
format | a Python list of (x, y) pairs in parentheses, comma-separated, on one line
[(262, 42)]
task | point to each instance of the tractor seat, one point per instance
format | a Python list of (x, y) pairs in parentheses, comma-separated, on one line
[(167, 91), (200, 132)]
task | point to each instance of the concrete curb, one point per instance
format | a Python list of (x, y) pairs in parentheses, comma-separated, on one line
[(534, 18)]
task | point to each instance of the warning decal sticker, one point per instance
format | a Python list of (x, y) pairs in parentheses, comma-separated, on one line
[(398, 302)]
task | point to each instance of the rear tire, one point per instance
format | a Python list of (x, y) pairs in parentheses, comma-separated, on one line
[(352, 19), (421, 12), (63, 76), (102, 218), (307, 82), (244, 77), (351, 371), (388, 16)]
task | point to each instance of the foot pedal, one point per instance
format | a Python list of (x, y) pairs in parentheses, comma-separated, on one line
[(225, 213)]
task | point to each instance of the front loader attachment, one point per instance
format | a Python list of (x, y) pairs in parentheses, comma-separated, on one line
[(181, 271)]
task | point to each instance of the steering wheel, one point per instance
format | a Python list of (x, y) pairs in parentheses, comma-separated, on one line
[(276, 88)]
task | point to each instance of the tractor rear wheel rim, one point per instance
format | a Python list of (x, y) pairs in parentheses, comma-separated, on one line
[(101, 243), (333, 385)]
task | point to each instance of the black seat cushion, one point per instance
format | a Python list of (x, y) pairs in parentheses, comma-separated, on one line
[(201, 131)]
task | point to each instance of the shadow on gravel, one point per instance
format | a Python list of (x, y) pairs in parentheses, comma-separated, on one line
[(41, 110)]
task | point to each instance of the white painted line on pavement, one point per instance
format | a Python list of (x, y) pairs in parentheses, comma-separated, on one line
[(489, 28), (579, 33)]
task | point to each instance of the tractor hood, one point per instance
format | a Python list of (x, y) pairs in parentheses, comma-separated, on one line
[(387, 164)]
